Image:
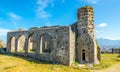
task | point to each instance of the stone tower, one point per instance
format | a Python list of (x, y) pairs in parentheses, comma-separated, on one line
[(86, 47)]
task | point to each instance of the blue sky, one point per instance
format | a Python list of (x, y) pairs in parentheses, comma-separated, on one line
[(15, 14)]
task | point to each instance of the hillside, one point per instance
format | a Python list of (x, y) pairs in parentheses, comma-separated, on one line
[(108, 42)]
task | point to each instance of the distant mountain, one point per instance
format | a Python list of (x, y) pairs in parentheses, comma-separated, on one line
[(107, 44)]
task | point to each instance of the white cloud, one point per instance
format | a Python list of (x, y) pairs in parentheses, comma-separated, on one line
[(96, 31), (14, 16), (42, 5), (108, 37), (99, 31), (3, 32), (92, 1), (48, 23), (102, 25), (43, 14)]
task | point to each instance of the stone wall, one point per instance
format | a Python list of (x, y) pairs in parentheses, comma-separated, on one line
[(116, 50), (61, 44)]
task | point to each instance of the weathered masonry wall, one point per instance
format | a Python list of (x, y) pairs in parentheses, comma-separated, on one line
[(116, 50), (54, 44)]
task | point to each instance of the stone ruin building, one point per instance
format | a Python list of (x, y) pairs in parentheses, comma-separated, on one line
[(116, 50), (61, 44)]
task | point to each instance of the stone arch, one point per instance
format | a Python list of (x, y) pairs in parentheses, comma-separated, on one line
[(12, 43), (21, 43), (45, 41), (30, 43)]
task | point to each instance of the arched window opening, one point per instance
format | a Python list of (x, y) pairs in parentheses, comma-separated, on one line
[(30, 44), (21, 43), (45, 43)]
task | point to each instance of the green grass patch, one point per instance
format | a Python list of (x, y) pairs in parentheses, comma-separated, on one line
[(107, 60), (15, 63)]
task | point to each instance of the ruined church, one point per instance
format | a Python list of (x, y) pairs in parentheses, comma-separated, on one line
[(59, 44)]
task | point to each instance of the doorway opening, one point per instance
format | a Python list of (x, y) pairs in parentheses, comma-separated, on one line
[(83, 55)]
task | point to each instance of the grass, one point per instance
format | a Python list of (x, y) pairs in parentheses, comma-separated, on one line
[(13, 63), (108, 60)]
